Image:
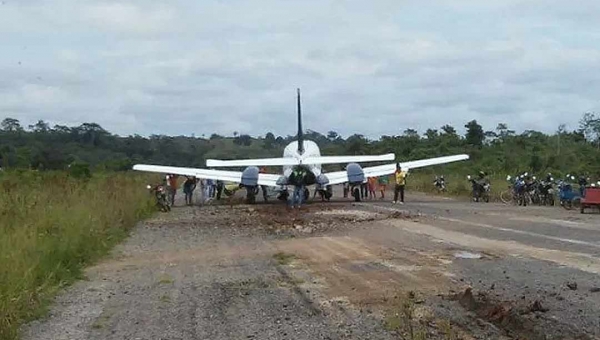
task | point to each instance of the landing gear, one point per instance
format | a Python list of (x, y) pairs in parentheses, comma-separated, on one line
[(251, 192)]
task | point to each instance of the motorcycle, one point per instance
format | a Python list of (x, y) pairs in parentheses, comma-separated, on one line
[(440, 184), (546, 192), (568, 198), (481, 189), (160, 194)]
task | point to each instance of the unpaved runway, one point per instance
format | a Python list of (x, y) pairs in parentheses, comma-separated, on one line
[(342, 270)]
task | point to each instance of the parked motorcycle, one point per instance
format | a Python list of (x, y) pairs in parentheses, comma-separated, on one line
[(546, 191), (481, 189), (440, 184), (568, 198)]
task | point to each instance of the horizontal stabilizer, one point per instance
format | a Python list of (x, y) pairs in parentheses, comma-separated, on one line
[(348, 159), (252, 162)]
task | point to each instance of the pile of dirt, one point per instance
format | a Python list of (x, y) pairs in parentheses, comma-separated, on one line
[(520, 319)]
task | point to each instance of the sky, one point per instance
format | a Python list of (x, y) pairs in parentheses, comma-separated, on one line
[(374, 68)]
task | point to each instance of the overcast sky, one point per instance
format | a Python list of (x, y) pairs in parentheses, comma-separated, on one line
[(370, 67)]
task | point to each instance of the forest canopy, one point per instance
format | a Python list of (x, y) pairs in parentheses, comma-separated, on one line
[(497, 150)]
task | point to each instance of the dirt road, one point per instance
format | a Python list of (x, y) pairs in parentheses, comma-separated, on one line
[(433, 268)]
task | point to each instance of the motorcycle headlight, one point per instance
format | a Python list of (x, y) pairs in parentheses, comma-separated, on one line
[(148, 187)]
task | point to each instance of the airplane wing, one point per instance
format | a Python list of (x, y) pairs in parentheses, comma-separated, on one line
[(293, 161), (220, 175), (388, 169)]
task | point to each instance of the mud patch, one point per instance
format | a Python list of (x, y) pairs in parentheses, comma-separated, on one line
[(522, 319), (358, 215)]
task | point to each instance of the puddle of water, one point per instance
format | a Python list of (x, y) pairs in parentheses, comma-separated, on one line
[(467, 255)]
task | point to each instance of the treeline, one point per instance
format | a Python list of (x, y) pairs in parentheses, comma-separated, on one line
[(498, 150)]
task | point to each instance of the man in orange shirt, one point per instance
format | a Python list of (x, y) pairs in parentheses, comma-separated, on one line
[(372, 187), (172, 187)]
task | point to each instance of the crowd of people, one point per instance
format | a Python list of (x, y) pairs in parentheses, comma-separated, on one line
[(209, 188), (212, 189), (368, 189)]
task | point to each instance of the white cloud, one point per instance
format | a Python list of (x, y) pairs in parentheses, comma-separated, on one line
[(179, 67)]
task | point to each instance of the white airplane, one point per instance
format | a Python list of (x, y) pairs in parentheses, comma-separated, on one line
[(302, 155)]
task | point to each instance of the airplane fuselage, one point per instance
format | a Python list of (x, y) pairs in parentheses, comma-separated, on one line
[(311, 149)]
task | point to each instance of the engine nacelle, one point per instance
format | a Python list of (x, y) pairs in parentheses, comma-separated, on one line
[(250, 176), (355, 173)]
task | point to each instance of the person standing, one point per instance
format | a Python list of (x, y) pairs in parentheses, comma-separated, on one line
[(372, 187), (188, 189), (400, 177), (383, 183), (364, 189), (172, 180), (346, 187), (219, 189), (297, 180), (263, 188)]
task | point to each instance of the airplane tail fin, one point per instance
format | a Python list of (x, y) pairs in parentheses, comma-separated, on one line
[(300, 132)]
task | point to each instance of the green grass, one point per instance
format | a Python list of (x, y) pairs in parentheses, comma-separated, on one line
[(51, 227), (165, 280), (284, 258)]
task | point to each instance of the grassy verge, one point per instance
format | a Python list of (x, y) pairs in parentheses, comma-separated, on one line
[(51, 227)]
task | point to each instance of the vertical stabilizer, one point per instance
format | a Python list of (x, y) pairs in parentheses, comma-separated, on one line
[(300, 132)]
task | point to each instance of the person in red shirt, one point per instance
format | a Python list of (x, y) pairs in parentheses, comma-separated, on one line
[(172, 187)]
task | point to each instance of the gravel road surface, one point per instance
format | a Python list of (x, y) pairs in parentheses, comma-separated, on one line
[(434, 268)]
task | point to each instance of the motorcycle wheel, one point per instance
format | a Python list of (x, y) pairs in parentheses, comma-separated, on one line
[(506, 197), (576, 202)]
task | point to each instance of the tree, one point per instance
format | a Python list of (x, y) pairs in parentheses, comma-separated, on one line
[(431, 134), (449, 130), (503, 131), (269, 140), (589, 125), (475, 134), (40, 127), (411, 133), (11, 125), (356, 144), (245, 140), (332, 135)]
